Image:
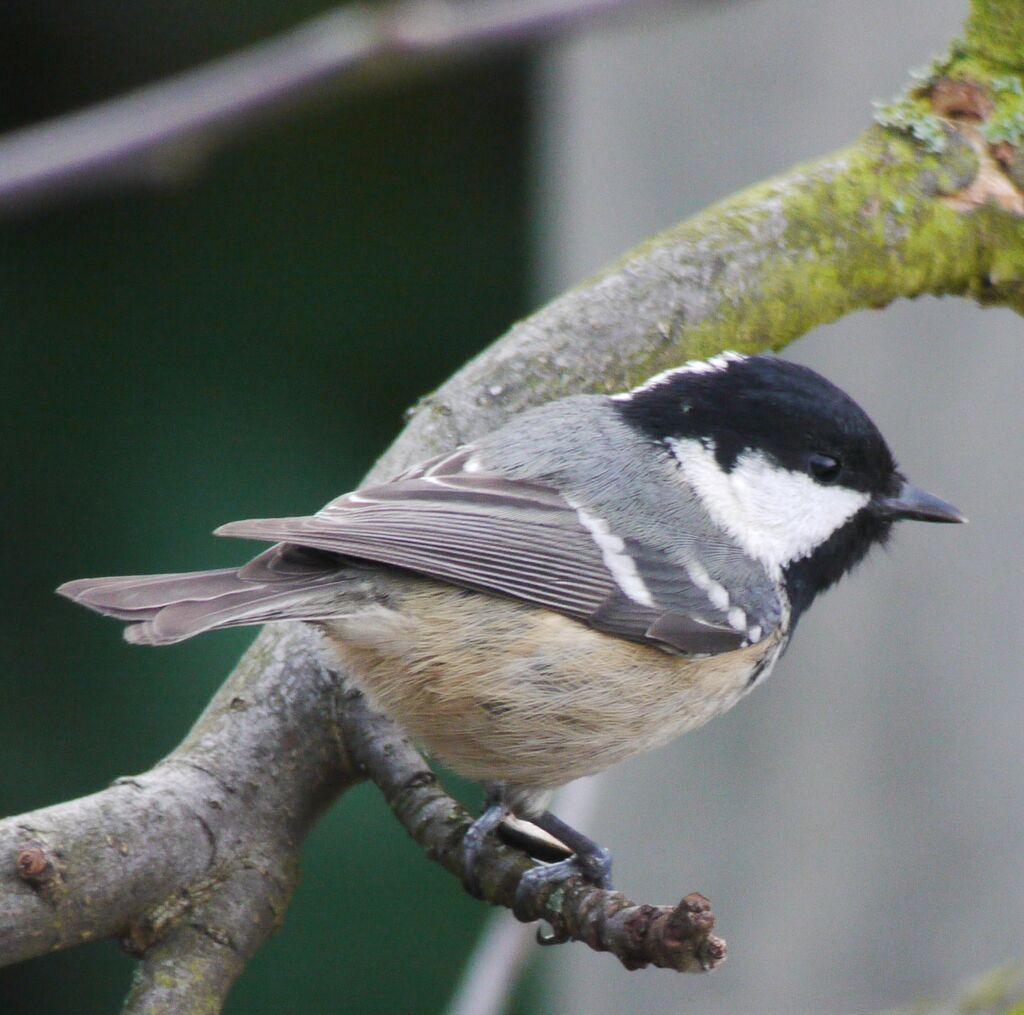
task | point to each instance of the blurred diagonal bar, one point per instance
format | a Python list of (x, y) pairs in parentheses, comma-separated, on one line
[(150, 134)]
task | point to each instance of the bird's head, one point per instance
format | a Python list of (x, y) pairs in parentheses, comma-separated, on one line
[(788, 465)]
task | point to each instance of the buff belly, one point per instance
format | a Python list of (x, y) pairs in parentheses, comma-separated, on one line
[(502, 691)]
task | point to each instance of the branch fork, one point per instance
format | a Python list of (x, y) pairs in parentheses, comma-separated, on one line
[(194, 862)]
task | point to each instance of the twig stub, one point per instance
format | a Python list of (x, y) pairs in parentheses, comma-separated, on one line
[(34, 864)]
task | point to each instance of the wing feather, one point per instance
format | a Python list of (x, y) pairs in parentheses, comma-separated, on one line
[(451, 520)]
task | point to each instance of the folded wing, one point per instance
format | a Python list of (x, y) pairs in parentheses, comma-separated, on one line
[(453, 521)]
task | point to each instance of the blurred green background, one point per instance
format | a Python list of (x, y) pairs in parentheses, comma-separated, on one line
[(241, 343)]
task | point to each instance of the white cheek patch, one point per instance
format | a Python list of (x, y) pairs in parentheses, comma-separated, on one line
[(616, 559), (775, 515)]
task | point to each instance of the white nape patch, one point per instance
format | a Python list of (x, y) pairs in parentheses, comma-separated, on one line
[(618, 562), (776, 515), (694, 366)]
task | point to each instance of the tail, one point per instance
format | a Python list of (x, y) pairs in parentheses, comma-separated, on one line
[(284, 583)]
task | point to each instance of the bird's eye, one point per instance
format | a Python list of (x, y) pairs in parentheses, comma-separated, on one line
[(824, 468)]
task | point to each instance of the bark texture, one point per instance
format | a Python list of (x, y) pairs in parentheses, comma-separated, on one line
[(193, 863)]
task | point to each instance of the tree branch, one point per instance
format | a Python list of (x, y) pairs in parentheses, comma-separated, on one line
[(203, 848), (207, 840), (156, 131), (676, 938), (505, 947)]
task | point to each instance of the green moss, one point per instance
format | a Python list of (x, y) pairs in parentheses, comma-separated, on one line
[(1009, 84), (1002, 236), (995, 31), (995, 992), (857, 239), (1007, 126), (909, 114), (859, 229)]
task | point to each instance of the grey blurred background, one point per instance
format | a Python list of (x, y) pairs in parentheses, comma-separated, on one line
[(243, 343), (858, 821)]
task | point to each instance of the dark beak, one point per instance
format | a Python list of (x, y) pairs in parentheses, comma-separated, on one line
[(913, 503)]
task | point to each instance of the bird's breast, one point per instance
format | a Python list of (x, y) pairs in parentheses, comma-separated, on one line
[(500, 690)]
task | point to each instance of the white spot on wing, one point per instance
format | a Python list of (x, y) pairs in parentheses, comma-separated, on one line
[(776, 515), (619, 563), (718, 596), (737, 619), (716, 592)]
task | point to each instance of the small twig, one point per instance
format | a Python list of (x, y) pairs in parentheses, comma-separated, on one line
[(148, 133), (506, 946), (668, 937)]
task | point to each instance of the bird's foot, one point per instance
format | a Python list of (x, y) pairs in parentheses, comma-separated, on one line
[(473, 842), (590, 861)]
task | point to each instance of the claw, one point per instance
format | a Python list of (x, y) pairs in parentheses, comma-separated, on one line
[(472, 844), (553, 938), (589, 861), (595, 867)]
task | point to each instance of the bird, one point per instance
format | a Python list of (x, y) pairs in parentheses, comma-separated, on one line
[(597, 576)]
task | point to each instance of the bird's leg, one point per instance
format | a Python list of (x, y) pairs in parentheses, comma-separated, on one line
[(589, 860), (494, 813)]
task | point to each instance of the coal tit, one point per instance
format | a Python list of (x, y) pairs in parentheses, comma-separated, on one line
[(594, 578)]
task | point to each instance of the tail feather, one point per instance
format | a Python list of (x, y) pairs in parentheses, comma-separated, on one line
[(167, 608), (140, 597), (180, 621)]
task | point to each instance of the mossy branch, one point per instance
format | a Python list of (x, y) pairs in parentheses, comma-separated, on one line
[(995, 32), (1000, 991), (881, 220), (194, 863)]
